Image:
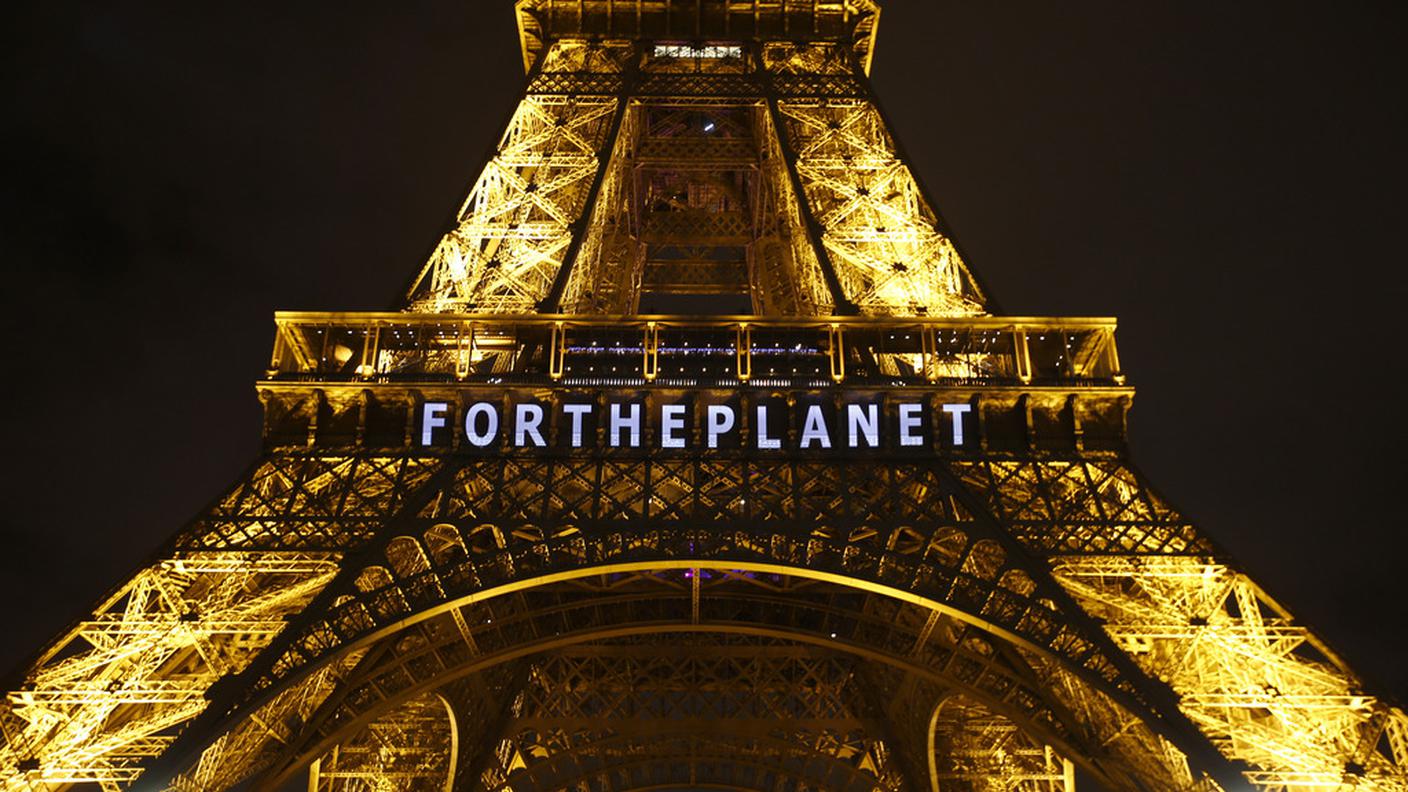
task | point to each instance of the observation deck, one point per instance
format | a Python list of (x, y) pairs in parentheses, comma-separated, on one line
[(715, 351), (1036, 383), (849, 21)]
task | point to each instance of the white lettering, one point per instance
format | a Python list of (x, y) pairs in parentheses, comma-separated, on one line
[(576, 411), (432, 418), (814, 428), (762, 430), (911, 419), (863, 423), (491, 420), (618, 423), (957, 411), (527, 420), (721, 418), (671, 421), (627, 424)]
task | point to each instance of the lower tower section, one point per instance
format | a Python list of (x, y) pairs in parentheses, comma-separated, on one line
[(886, 577)]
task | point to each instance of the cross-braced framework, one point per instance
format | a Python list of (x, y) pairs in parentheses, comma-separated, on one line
[(517, 223), (1254, 681), (288, 502), (524, 211), (997, 605), (409, 749), (881, 236), (762, 170), (108, 695), (687, 714), (975, 749)]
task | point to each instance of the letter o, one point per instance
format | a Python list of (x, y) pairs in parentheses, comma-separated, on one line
[(471, 419)]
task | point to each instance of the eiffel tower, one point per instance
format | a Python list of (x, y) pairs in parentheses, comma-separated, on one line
[(697, 458)]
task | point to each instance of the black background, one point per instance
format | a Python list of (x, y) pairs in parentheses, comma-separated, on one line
[(1226, 178)]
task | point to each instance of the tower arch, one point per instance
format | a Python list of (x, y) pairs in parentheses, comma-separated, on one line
[(893, 642)]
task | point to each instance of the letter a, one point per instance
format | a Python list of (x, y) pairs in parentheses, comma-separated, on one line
[(814, 428)]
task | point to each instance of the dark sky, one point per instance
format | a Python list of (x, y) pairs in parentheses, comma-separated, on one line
[(1227, 178)]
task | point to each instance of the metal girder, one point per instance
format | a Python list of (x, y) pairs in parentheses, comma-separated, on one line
[(245, 750), (605, 270), (615, 715), (1258, 684), (878, 230), (436, 644), (643, 707), (117, 689), (888, 524), (1080, 505), (410, 749), (112, 692), (975, 749), (671, 166), (976, 579)]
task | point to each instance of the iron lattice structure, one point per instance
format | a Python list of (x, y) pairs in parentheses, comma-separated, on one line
[(696, 203)]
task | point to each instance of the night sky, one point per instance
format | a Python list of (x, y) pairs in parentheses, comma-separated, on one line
[(1226, 178)]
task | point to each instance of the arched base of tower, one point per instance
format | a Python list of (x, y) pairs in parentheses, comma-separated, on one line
[(691, 675)]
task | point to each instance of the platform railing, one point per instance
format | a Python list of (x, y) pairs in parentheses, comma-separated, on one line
[(694, 350)]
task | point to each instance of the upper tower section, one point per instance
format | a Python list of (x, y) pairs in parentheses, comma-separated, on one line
[(687, 157), (849, 22)]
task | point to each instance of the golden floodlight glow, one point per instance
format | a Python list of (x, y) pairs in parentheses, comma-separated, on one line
[(695, 460)]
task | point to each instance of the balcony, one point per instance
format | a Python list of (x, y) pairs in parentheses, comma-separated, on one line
[(673, 351)]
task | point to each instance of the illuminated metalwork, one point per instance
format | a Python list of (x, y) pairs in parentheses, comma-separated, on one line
[(517, 223), (696, 206), (106, 695), (1264, 688), (638, 166), (412, 747)]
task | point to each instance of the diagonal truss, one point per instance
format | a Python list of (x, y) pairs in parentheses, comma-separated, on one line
[(878, 230), (591, 711), (1262, 687), (114, 691), (519, 221), (111, 693)]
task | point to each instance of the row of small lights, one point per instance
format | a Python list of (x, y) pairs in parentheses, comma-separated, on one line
[(985, 338), (722, 369), (442, 333), (686, 382)]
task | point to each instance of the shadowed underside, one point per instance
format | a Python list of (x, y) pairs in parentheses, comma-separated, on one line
[(697, 460)]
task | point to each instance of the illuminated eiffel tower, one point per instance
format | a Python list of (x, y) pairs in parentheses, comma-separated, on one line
[(696, 460)]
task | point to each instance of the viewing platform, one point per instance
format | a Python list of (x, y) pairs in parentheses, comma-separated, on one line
[(697, 351)]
